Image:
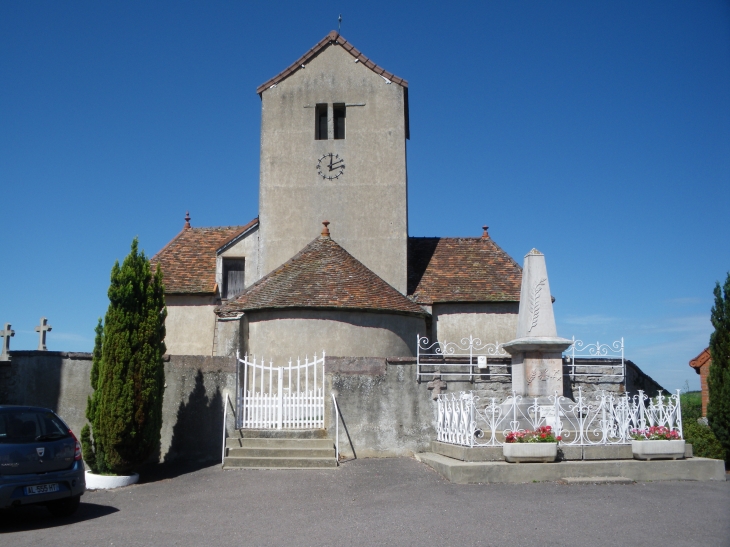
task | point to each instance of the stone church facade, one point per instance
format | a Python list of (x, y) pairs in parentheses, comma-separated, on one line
[(329, 264)]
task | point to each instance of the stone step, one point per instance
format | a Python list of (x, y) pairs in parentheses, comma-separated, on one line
[(461, 472), (288, 452), (282, 433), (279, 463), (259, 442)]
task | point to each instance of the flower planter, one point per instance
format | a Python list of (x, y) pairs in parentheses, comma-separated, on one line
[(658, 450), (107, 482), (530, 452)]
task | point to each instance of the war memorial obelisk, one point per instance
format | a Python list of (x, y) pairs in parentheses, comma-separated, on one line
[(537, 352)]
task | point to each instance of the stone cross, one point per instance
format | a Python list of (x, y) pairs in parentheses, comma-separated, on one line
[(437, 385), (42, 329), (6, 334)]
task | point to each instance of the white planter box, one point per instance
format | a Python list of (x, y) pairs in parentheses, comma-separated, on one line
[(658, 450), (530, 452), (106, 482)]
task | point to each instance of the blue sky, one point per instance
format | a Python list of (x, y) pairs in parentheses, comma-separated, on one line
[(597, 132)]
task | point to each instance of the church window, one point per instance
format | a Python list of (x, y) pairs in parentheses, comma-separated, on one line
[(233, 277), (338, 113), (320, 122)]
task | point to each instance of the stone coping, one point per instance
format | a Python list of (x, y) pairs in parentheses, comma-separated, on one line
[(697, 469)]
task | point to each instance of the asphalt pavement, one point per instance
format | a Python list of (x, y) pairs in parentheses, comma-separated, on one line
[(372, 502)]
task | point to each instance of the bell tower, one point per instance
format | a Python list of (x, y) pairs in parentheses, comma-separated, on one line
[(334, 127)]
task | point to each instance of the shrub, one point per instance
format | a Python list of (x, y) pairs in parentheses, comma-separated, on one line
[(127, 374), (718, 379), (703, 440), (691, 406)]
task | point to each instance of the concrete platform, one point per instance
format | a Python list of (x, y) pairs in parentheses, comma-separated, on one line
[(565, 452), (461, 472)]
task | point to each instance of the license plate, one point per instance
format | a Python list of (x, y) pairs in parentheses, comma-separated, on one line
[(41, 489)]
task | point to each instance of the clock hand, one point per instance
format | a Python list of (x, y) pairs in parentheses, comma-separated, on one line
[(335, 165)]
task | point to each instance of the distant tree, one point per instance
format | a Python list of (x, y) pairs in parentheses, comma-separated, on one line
[(718, 380), (127, 374)]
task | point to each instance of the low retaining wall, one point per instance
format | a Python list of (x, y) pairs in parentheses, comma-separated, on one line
[(192, 408), (385, 410)]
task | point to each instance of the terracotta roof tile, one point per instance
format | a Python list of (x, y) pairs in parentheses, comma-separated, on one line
[(322, 275), (188, 261), (466, 269), (332, 38), (701, 359)]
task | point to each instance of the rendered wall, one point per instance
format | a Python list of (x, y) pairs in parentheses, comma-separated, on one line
[(284, 334), (192, 414), (490, 322), (385, 410), (367, 205), (190, 324), (248, 248)]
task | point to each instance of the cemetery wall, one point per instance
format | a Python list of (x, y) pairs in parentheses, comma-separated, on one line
[(195, 388), (385, 410)]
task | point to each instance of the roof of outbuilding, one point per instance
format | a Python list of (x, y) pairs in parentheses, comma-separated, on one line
[(701, 359), (461, 269), (323, 275), (333, 38), (188, 262)]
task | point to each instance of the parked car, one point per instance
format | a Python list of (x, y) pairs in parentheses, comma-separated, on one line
[(40, 460)]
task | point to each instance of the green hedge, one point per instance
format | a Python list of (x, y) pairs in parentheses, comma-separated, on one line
[(703, 440)]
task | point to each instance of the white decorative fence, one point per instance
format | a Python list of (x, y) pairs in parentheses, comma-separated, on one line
[(469, 357), (602, 419), (289, 397), (610, 352)]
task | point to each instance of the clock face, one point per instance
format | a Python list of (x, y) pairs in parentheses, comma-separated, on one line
[(331, 166)]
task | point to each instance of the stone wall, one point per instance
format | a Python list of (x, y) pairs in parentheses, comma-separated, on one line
[(385, 410), (195, 388), (190, 324), (297, 333)]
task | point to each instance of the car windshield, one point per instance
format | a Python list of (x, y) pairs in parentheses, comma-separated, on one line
[(18, 426)]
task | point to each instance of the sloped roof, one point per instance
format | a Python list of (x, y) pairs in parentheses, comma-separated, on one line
[(333, 38), (188, 262), (703, 358), (463, 269), (322, 275)]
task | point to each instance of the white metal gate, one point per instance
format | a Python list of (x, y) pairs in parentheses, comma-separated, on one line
[(288, 397)]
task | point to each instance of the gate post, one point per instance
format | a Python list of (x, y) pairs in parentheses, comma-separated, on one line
[(280, 400)]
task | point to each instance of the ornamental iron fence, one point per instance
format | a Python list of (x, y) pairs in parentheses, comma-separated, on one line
[(602, 419), (468, 358), (590, 353)]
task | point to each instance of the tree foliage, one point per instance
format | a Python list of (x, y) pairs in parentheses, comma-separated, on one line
[(718, 380), (127, 374)]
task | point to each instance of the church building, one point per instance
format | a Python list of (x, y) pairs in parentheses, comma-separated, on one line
[(328, 264)]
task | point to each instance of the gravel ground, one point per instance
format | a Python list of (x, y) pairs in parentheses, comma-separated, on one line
[(378, 502)]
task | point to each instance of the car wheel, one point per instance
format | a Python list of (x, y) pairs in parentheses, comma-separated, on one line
[(65, 507)]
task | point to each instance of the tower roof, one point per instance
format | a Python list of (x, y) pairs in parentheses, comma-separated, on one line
[(323, 275), (333, 38)]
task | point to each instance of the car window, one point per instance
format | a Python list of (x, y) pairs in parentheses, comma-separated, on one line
[(19, 426)]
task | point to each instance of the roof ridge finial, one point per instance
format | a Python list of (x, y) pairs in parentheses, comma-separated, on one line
[(485, 234), (326, 230), (187, 220), (339, 23)]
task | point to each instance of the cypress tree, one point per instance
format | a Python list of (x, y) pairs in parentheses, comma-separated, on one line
[(127, 374), (718, 380)]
